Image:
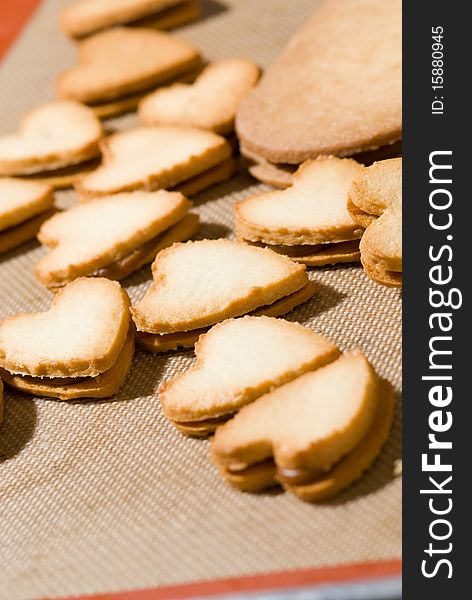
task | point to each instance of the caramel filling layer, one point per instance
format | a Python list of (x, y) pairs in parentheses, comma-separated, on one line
[(308, 250), (59, 381), (289, 476), (130, 261), (210, 421), (126, 265), (187, 339)]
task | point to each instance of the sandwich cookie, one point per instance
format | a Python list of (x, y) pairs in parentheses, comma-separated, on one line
[(112, 236), (308, 221), (314, 435), (148, 158), (309, 103), (199, 284), (84, 17), (281, 175), (24, 206), (239, 360), (56, 143), (82, 347), (210, 102), (375, 202), (119, 66)]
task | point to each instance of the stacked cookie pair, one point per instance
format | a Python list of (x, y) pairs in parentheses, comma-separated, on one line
[(331, 206), (85, 17), (24, 206), (82, 347), (117, 67), (56, 143), (288, 408)]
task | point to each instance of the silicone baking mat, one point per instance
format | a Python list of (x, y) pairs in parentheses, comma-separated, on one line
[(105, 496)]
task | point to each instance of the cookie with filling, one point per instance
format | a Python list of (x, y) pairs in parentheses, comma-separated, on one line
[(210, 102), (315, 435), (119, 63), (57, 135), (198, 284), (112, 236), (375, 202), (168, 157), (309, 220), (82, 347), (239, 360)]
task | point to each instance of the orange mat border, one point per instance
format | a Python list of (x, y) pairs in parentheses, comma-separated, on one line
[(267, 581), (13, 16)]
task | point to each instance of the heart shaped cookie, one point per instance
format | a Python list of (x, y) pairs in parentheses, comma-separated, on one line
[(209, 103), (198, 284), (81, 335), (238, 361), (168, 156), (310, 101), (314, 435), (122, 61), (24, 206), (112, 236), (55, 135), (84, 17), (375, 202), (308, 221)]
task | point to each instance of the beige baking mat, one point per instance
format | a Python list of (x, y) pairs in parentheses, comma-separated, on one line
[(102, 496)]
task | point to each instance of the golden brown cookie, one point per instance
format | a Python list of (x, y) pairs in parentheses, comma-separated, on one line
[(104, 385), (84, 17), (83, 344), (118, 232), (123, 61), (375, 198), (314, 435), (52, 136), (168, 156), (198, 284), (310, 102), (238, 361), (24, 206), (209, 103), (309, 220)]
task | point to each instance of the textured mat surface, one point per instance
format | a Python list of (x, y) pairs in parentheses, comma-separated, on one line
[(102, 496)]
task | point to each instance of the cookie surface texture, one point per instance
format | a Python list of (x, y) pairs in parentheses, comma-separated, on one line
[(95, 234), (54, 135), (197, 284), (81, 335), (310, 102), (124, 60), (210, 102), (376, 196), (168, 156), (239, 360), (311, 211), (84, 17)]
